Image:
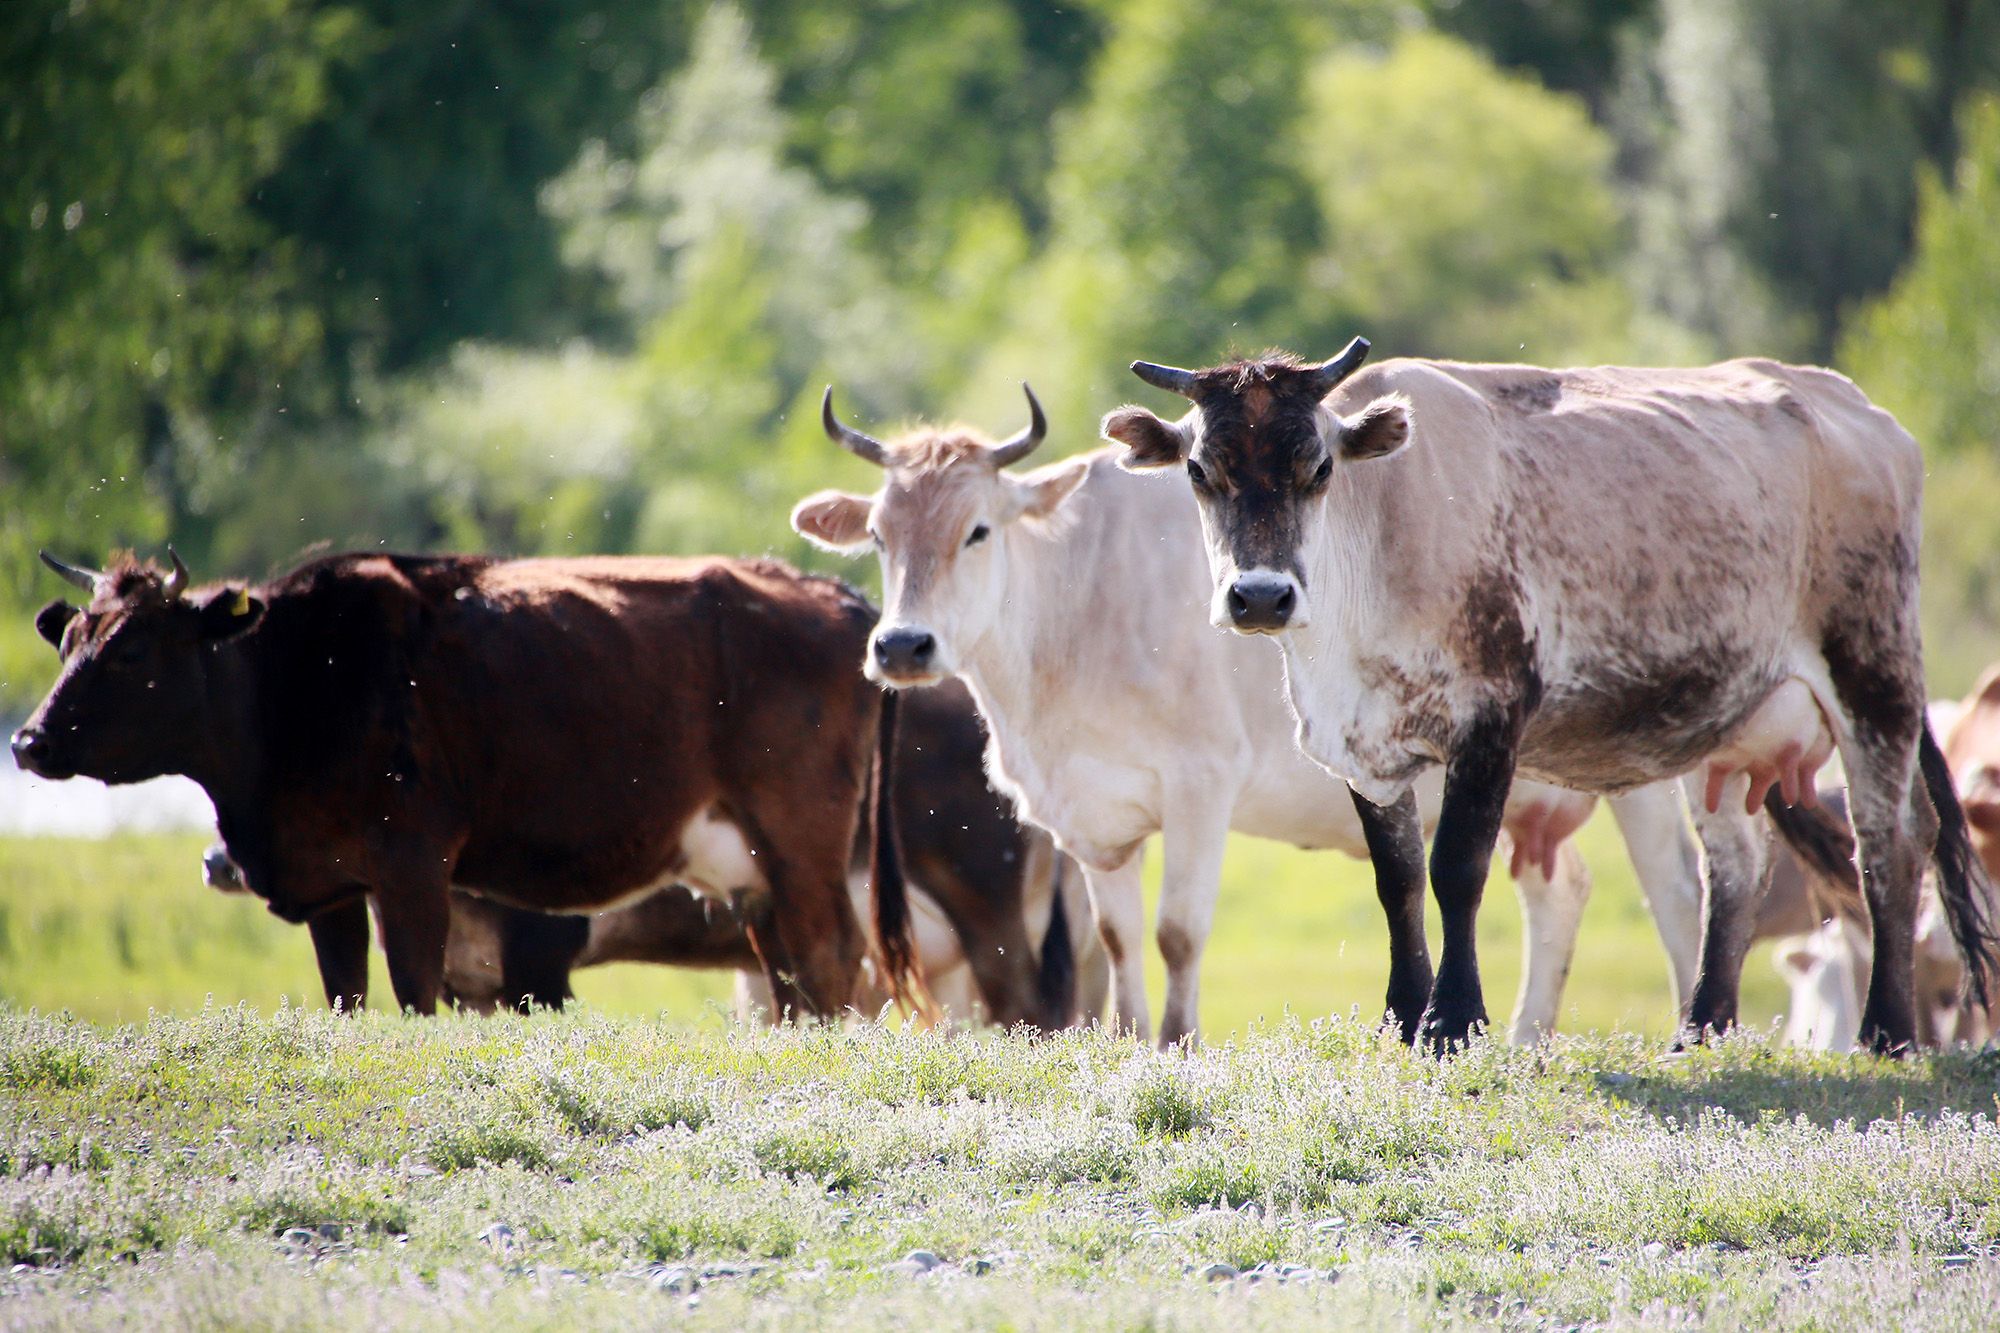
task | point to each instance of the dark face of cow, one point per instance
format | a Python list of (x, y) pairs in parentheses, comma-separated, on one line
[(132, 701), (1260, 449)]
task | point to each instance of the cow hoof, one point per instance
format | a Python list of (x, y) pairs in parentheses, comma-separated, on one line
[(1444, 1033), (1877, 1039)]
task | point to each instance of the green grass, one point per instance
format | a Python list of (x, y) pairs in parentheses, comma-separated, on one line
[(112, 930), (245, 1169)]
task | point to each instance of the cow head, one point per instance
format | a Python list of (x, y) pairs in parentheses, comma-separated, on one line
[(132, 698), (942, 524), (1260, 448)]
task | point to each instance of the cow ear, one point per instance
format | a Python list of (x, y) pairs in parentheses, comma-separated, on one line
[(1042, 491), (833, 521), (53, 619), (230, 612), (1382, 428), (1149, 442)]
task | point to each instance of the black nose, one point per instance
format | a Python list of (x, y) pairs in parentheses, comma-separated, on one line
[(1259, 600), (218, 871), (905, 651), (28, 744)]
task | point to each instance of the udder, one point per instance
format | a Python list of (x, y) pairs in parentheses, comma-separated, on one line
[(1539, 820), (1783, 744)]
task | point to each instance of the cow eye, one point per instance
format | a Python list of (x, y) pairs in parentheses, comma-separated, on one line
[(1322, 472), (875, 539), (977, 535), (1196, 475)]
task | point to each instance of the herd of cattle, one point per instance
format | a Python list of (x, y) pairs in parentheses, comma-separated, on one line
[(1498, 593)]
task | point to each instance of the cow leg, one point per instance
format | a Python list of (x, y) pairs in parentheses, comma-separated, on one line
[(1895, 827), (1117, 901), (1395, 838), (1476, 783), (1191, 849), (1736, 869), (1653, 822), (1551, 913), (1093, 965), (414, 917), (340, 942), (753, 999)]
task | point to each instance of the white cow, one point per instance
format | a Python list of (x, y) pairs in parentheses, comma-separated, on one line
[(1601, 578), (1070, 601)]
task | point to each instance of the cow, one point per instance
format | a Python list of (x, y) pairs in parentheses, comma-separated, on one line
[(1069, 600), (561, 735), (1600, 578), (983, 883), (1832, 961)]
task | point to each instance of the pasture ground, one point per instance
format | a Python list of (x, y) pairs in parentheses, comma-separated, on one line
[(292, 1168), (263, 1163)]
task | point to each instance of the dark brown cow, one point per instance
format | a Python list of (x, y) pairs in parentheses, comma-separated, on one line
[(989, 874), (562, 735)]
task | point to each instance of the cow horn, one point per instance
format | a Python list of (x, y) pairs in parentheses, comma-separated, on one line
[(85, 579), (848, 438), (1165, 377), (1327, 378), (177, 577), (1020, 446)]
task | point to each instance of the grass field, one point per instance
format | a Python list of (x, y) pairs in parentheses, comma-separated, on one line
[(112, 930), (264, 1163), (238, 1169)]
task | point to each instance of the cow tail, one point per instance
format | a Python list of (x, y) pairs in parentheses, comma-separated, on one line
[(1824, 844), (1055, 977), (1962, 883), (890, 893)]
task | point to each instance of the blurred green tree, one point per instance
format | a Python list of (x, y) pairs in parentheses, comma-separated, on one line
[(1570, 45), (1929, 351), (1180, 217), (147, 316), (1467, 212), (1774, 143)]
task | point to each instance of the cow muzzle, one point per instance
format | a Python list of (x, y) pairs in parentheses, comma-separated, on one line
[(220, 872), (904, 655), (1263, 602), (32, 752)]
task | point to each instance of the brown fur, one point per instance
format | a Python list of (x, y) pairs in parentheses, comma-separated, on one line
[(538, 730)]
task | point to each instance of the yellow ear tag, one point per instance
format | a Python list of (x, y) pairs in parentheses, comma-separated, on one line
[(240, 606)]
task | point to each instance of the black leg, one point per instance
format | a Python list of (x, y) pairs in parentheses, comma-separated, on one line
[(1395, 839), (1476, 782), (1735, 873), (340, 940)]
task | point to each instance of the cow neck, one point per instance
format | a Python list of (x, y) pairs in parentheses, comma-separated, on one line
[(1348, 577), (228, 765)]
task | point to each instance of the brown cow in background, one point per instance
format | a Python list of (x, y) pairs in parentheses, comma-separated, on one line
[(561, 735), (984, 883)]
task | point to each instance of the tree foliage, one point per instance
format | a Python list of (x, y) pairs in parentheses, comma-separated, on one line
[(535, 277), (146, 313)]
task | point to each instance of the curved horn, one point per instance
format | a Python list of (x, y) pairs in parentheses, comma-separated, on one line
[(85, 579), (177, 577), (1327, 377), (848, 438), (1165, 377), (1013, 450)]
